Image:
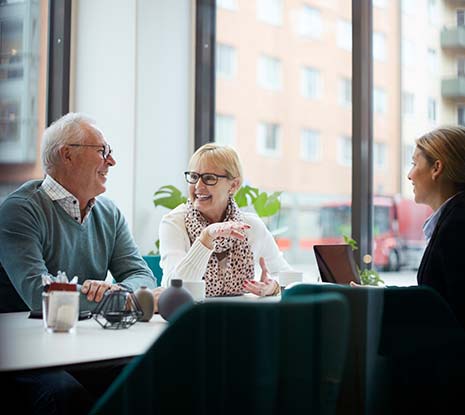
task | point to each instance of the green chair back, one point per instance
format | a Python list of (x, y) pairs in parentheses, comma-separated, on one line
[(153, 261), (405, 350), (360, 392), (239, 358), (425, 345)]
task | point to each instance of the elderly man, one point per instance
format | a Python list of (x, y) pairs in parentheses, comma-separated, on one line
[(59, 223)]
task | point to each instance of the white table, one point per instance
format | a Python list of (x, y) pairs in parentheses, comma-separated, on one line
[(24, 344)]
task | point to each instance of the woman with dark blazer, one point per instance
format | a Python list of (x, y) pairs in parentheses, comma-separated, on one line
[(438, 179)]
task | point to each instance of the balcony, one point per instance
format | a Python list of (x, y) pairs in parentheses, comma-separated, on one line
[(453, 38), (456, 3), (453, 88)]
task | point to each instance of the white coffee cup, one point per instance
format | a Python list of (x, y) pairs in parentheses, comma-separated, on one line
[(287, 278), (196, 288)]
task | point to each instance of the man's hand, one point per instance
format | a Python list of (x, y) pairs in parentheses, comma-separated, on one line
[(223, 230), (95, 289), (156, 295), (266, 286)]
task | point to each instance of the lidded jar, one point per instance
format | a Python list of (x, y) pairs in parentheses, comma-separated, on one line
[(173, 298)]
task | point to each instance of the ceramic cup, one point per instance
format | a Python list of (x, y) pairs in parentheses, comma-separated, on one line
[(196, 288), (287, 278)]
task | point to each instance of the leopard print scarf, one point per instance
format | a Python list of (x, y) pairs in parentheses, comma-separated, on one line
[(240, 263)]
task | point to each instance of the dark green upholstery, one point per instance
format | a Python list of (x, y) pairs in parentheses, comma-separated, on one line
[(360, 392), (153, 261), (425, 346), (406, 350), (239, 358)]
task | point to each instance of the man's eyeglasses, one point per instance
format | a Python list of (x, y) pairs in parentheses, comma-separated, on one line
[(105, 149), (210, 179)]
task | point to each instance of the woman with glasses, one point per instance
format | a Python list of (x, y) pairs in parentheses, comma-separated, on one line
[(209, 238)]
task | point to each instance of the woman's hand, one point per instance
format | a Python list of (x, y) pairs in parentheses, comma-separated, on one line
[(266, 286), (223, 230), (156, 295)]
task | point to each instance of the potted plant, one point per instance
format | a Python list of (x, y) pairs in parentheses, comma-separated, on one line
[(368, 276)]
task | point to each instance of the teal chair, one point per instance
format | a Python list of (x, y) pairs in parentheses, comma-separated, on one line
[(239, 358), (153, 261), (362, 391), (425, 346), (406, 350)]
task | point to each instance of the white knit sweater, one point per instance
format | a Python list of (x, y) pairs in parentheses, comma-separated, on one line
[(180, 259)]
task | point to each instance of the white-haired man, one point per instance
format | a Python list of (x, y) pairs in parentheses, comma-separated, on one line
[(61, 223)]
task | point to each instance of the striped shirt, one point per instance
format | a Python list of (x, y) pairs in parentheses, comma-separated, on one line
[(65, 199)]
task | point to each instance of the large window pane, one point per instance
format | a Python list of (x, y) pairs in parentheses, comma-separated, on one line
[(23, 47), (20, 25), (290, 98), (423, 40)]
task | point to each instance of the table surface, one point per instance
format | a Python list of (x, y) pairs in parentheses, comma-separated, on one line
[(25, 345)]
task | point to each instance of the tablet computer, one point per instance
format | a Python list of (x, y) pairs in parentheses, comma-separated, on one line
[(336, 263)]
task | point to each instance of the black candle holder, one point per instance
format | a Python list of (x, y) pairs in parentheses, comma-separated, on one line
[(119, 309)]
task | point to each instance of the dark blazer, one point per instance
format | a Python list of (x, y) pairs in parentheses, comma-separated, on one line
[(443, 264)]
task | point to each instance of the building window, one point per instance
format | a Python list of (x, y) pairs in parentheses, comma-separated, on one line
[(460, 17), (344, 34), (225, 61), (225, 130), (461, 66), (379, 46), (269, 73), (270, 11), (432, 61), (407, 52), (408, 154), (408, 103), (461, 115), (310, 24), (311, 83), (379, 155), (227, 4), (11, 49), (379, 3), (309, 145), (432, 109), (345, 92), (379, 101), (344, 151), (408, 6), (432, 12), (269, 140), (20, 77)]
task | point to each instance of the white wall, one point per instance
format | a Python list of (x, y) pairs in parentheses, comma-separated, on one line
[(132, 71)]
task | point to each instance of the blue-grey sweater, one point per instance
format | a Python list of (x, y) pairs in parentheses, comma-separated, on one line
[(38, 236)]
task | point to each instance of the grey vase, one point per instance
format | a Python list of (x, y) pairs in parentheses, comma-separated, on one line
[(145, 298), (173, 298)]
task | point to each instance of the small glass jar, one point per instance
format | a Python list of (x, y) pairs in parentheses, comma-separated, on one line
[(60, 310)]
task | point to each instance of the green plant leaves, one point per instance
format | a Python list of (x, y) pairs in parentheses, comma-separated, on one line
[(267, 205), (352, 242), (169, 197), (246, 195), (264, 204)]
